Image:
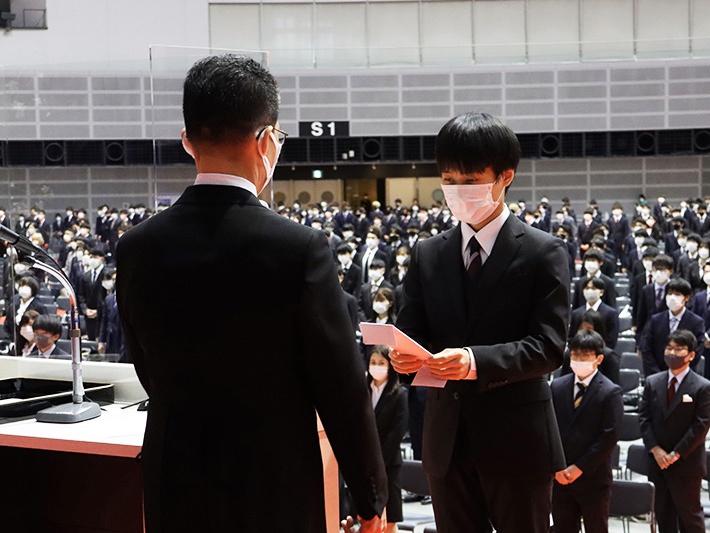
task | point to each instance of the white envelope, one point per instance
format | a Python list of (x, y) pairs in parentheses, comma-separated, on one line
[(687, 398)]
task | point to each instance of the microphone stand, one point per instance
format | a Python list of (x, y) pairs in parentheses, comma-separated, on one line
[(78, 410)]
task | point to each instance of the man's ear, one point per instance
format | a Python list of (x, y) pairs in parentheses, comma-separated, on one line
[(507, 176), (186, 144)]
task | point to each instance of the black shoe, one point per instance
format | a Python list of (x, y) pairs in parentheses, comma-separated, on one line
[(411, 497), (426, 500)]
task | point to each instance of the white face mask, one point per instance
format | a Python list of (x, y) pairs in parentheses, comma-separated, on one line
[(648, 265), (85, 260), (592, 295), (94, 262), (375, 275), (471, 203), (347, 234), (592, 267), (27, 333), (378, 372), (674, 302), (67, 238), (639, 241), (692, 247), (380, 307), (24, 292), (703, 253), (401, 259), (267, 164), (706, 279), (371, 243), (344, 259), (582, 369), (682, 242), (660, 277), (107, 284)]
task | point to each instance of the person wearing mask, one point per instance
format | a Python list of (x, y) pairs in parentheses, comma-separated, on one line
[(593, 261), (677, 316), (91, 294), (593, 292), (652, 298), (47, 330), (611, 364), (389, 400), (490, 300), (585, 231), (689, 262), (399, 270), (25, 300), (223, 468), (674, 415), (383, 308), (589, 409), (371, 252), (110, 338), (368, 290), (26, 341), (352, 274), (619, 228)]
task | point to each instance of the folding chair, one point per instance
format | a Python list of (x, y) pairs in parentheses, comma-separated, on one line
[(623, 344), (632, 498), (414, 480), (636, 461), (630, 380), (630, 427)]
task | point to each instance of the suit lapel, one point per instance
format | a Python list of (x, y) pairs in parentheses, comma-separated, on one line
[(452, 274), (592, 389), (684, 387), (504, 250)]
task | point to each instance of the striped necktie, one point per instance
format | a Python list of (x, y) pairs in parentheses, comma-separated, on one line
[(578, 398)]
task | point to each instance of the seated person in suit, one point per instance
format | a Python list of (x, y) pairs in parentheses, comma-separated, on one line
[(593, 292), (376, 275), (652, 298), (591, 320), (26, 341), (389, 400), (677, 316), (593, 261), (352, 274), (674, 415), (47, 330), (589, 410), (25, 300)]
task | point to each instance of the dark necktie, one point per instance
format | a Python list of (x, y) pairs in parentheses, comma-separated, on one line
[(475, 263), (650, 278), (659, 298), (578, 397), (671, 390)]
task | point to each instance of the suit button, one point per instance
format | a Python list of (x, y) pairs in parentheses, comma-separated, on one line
[(456, 395)]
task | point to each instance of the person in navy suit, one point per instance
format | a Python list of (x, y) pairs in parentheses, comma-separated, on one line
[(491, 443), (652, 298), (674, 414), (593, 292), (678, 316), (593, 261), (589, 409), (111, 339)]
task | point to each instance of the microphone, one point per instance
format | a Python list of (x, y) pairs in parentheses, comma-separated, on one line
[(22, 244)]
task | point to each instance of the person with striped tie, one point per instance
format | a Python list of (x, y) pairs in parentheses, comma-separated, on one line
[(589, 408)]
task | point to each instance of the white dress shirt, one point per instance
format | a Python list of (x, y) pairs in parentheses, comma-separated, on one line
[(213, 178)]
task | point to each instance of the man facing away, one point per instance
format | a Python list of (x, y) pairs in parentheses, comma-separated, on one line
[(231, 440), (490, 299)]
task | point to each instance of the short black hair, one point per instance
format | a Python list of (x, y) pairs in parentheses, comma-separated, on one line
[(679, 285), (663, 261), (344, 249), (585, 341), (377, 264), (31, 282), (473, 142), (227, 98), (597, 283), (49, 323), (650, 251), (595, 255), (590, 316), (683, 337)]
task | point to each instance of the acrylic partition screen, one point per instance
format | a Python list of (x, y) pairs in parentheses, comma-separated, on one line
[(173, 168)]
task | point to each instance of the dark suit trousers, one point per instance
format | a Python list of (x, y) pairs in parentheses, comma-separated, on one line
[(581, 500), (468, 500), (677, 505)]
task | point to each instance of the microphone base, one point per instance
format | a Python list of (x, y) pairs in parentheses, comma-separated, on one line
[(69, 413)]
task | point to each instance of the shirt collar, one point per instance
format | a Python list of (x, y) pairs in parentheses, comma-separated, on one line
[(678, 377), (487, 235), (213, 178), (596, 305), (586, 381), (679, 316)]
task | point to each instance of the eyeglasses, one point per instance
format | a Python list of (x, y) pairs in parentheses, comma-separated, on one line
[(678, 350), (280, 135)]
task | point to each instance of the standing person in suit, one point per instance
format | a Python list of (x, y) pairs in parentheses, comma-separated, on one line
[(611, 364), (213, 457), (352, 274), (652, 297), (25, 300), (589, 409), (111, 339), (674, 414), (91, 293), (593, 261), (371, 252), (494, 355), (368, 290), (678, 316), (593, 292), (389, 400)]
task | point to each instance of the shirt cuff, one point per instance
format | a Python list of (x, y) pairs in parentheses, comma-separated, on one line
[(472, 373)]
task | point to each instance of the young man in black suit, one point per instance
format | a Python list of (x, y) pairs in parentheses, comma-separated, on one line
[(677, 316), (589, 409), (458, 293), (352, 274), (279, 350), (652, 297), (593, 292), (675, 416), (593, 261)]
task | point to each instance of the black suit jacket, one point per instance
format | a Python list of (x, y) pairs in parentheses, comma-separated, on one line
[(392, 416), (516, 326), (609, 315), (352, 280), (365, 299), (655, 337), (9, 325), (680, 427), (647, 308), (590, 432), (57, 353), (609, 296), (279, 348)]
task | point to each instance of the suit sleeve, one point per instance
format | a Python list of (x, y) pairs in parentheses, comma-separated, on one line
[(646, 417), (337, 381), (646, 344), (541, 350), (393, 439), (612, 330), (695, 435), (600, 450)]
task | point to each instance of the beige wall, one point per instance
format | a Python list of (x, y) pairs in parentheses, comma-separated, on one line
[(406, 189)]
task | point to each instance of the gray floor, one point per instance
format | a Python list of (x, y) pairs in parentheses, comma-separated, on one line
[(615, 524)]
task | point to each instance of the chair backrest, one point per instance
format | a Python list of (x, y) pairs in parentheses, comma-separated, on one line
[(631, 498), (64, 344), (625, 344), (630, 427), (629, 379), (631, 360), (637, 459), (700, 369), (413, 478), (624, 323), (614, 459)]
